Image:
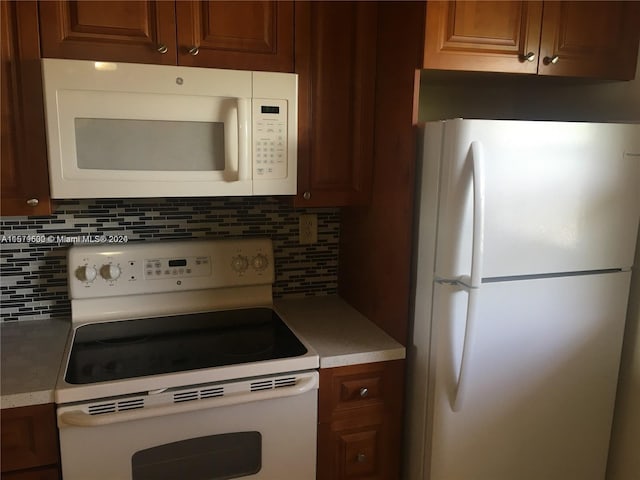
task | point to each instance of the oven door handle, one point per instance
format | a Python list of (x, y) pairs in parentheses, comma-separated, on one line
[(79, 418)]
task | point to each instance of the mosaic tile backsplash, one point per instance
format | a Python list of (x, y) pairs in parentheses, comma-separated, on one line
[(33, 283)]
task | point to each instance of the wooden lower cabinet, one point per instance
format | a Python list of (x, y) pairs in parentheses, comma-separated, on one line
[(30, 443), (48, 473), (360, 421)]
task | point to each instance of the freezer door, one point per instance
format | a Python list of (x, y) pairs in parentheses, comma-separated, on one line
[(540, 380), (558, 197)]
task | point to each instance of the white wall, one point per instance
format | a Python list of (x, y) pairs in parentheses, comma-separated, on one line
[(453, 95)]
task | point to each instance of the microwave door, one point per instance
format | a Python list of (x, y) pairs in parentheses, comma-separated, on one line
[(155, 150), (136, 131)]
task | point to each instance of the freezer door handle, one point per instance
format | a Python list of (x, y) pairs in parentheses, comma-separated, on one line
[(477, 252), (463, 374)]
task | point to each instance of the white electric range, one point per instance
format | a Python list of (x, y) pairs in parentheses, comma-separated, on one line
[(178, 367)]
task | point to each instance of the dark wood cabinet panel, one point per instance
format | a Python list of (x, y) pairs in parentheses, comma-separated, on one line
[(376, 241), (25, 179), (47, 473), (252, 35), (482, 35), (29, 439), (360, 418), (138, 31), (353, 452), (335, 59), (565, 38), (590, 39)]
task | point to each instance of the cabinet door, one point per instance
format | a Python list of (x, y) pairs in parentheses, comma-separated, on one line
[(590, 39), (354, 450), (335, 60), (493, 36), (248, 35), (29, 436), (137, 31), (25, 178)]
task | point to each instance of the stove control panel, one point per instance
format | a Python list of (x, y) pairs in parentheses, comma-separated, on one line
[(170, 266), (159, 268)]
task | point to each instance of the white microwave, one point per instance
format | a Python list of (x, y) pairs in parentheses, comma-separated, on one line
[(131, 130)]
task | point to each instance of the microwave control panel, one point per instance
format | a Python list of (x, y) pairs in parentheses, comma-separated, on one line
[(269, 138)]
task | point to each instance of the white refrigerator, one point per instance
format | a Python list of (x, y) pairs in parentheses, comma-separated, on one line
[(525, 239)]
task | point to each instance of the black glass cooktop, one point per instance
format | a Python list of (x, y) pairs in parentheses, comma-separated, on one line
[(151, 346)]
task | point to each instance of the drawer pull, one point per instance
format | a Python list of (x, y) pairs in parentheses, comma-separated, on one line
[(364, 392), (361, 458)]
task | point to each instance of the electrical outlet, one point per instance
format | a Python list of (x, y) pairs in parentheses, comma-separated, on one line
[(308, 229)]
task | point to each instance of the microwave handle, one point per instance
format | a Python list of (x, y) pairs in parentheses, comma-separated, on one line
[(244, 139)]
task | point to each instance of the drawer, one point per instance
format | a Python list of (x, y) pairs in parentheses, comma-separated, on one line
[(29, 437), (368, 386)]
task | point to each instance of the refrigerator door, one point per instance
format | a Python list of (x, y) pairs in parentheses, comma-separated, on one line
[(540, 382), (558, 197)]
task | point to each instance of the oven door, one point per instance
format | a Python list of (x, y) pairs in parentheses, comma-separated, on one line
[(263, 428)]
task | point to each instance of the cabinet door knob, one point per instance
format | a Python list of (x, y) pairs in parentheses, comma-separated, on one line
[(551, 60), (530, 57), (33, 202), (361, 458), (364, 392), (306, 195), (162, 48), (194, 51)]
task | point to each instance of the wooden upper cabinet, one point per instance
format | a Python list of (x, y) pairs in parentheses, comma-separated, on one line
[(567, 38), (590, 39), (232, 34), (335, 60), (25, 177), (482, 35), (255, 35), (114, 31)]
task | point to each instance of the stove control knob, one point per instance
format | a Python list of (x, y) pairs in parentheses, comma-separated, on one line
[(239, 263), (110, 272), (260, 262), (86, 273)]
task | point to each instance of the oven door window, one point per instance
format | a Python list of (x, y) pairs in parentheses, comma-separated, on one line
[(215, 457)]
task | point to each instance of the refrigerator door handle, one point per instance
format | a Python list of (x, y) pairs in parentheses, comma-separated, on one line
[(459, 393), (477, 163)]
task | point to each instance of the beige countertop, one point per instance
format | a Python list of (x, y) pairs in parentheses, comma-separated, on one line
[(31, 352), (337, 332), (32, 349)]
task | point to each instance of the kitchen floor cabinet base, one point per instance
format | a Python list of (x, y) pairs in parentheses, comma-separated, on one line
[(360, 415)]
